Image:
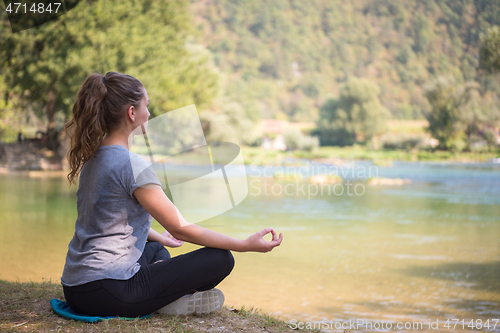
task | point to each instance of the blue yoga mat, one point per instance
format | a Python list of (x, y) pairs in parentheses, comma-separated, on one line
[(63, 309)]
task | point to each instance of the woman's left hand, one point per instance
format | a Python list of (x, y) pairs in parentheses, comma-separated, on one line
[(169, 240)]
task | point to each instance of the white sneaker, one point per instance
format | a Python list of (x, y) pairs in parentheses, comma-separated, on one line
[(199, 302)]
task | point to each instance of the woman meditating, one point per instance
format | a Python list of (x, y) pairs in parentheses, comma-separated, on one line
[(116, 264)]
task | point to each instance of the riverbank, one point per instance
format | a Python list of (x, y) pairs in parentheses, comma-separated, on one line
[(30, 159), (341, 155), (24, 307)]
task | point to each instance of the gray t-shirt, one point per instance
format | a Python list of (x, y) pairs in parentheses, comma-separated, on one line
[(112, 227)]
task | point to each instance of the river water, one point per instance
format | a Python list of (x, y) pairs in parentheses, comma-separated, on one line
[(426, 250)]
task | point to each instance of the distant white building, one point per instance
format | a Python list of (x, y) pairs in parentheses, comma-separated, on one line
[(272, 131)]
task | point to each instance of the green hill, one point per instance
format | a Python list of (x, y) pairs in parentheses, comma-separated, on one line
[(283, 58)]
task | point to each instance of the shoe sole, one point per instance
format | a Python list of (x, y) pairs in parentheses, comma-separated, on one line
[(199, 302)]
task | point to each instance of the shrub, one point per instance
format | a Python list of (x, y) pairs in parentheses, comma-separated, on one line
[(490, 137), (334, 137), (404, 141), (294, 140), (310, 143)]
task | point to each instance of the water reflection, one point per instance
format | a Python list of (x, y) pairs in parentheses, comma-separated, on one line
[(481, 276)]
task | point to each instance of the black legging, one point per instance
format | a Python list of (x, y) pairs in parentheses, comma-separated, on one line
[(160, 281)]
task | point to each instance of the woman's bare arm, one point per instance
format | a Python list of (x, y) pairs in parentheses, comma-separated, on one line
[(164, 238), (156, 203)]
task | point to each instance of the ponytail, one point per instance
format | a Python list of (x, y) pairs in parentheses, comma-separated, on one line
[(100, 107)]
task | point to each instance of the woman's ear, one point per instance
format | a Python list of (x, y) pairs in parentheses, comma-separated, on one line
[(131, 113)]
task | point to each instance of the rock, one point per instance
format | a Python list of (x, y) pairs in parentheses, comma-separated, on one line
[(388, 181)]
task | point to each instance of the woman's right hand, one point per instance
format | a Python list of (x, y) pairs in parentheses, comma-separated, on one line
[(169, 240), (257, 243)]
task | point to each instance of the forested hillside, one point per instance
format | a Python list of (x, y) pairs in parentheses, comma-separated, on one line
[(344, 66), (284, 58)]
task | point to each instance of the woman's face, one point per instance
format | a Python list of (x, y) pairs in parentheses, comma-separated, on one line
[(142, 115)]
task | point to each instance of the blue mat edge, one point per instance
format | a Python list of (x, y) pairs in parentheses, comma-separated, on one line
[(62, 308)]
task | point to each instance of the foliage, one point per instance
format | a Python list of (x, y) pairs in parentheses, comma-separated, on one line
[(490, 137), (357, 114), (6, 112), (489, 52), (296, 140), (229, 123), (404, 141), (45, 65), (258, 156), (333, 136), (277, 58), (288, 55), (459, 114)]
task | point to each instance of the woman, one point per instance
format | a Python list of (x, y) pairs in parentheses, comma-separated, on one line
[(110, 269)]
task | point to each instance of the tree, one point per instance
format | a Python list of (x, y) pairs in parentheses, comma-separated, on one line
[(444, 120), (229, 123), (7, 113), (357, 115), (46, 65), (459, 114), (489, 52), (36, 66), (332, 125)]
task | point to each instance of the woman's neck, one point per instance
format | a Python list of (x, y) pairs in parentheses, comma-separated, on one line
[(115, 139)]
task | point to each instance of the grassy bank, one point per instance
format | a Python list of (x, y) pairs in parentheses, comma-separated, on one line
[(380, 157), (357, 152), (24, 307)]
